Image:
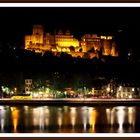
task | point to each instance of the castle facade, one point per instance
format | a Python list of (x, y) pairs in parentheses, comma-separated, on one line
[(89, 44)]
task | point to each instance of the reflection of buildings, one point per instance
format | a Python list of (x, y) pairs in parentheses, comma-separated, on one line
[(2, 118), (90, 44), (122, 116), (41, 117)]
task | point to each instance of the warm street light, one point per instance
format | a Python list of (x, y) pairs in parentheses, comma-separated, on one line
[(84, 92), (15, 89), (108, 89), (120, 87), (133, 89)]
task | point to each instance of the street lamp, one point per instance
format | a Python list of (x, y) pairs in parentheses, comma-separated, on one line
[(120, 87), (15, 89), (84, 92), (108, 89)]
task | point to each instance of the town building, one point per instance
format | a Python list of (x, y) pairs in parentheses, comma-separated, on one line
[(128, 91), (28, 86)]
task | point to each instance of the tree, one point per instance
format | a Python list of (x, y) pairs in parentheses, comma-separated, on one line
[(86, 55), (1, 92)]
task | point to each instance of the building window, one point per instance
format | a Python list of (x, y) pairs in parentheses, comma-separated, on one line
[(128, 89)]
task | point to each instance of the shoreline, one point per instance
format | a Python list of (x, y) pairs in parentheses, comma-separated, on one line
[(70, 101)]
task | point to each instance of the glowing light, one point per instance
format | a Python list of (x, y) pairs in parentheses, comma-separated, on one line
[(121, 118), (1, 107), (26, 108), (47, 121), (2, 121), (90, 109), (2, 124), (73, 110), (103, 37), (41, 118), (35, 95), (130, 109), (130, 96), (60, 121), (108, 89), (120, 108), (92, 119), (131, 115), (15, 117), (65, 108), (110, 116), (120, 87), (109, 37), (60, 117), (133, 89), (129, 54), (73, 116), (85, 116)]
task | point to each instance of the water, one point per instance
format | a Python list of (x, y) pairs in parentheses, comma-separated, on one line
[(69, 119)]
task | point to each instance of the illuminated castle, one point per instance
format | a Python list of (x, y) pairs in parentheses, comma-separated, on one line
[(90, 44)]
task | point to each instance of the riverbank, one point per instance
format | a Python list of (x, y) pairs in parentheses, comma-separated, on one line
[(70, 101)]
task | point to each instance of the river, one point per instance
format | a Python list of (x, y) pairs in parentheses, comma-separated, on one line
[(69, 119)]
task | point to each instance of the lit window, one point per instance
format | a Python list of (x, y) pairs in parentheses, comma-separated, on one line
[(103, 37), (133, 89), (109, 37)]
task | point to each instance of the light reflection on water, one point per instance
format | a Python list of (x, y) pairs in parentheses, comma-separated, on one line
[(2, 120), (121, 117), (92, 114), (67, 119), (73, 116)]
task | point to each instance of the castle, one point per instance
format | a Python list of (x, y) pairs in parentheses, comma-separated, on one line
[(89, 44)]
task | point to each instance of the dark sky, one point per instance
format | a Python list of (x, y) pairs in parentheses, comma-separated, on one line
[(16, 22)]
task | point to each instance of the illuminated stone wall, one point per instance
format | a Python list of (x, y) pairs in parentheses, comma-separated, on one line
[(90, 41), (35, 40), (89, 44), (65, 41)]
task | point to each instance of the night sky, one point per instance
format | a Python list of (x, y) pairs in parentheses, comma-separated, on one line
[(17, 22)]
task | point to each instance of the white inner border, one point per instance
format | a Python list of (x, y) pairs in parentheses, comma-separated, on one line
[(69, 5), (70, 135)]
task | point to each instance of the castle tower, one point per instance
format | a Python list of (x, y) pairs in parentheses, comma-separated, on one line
[(107, 45), (36, 40), (38, 34), (113, 50), (38, 30)]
